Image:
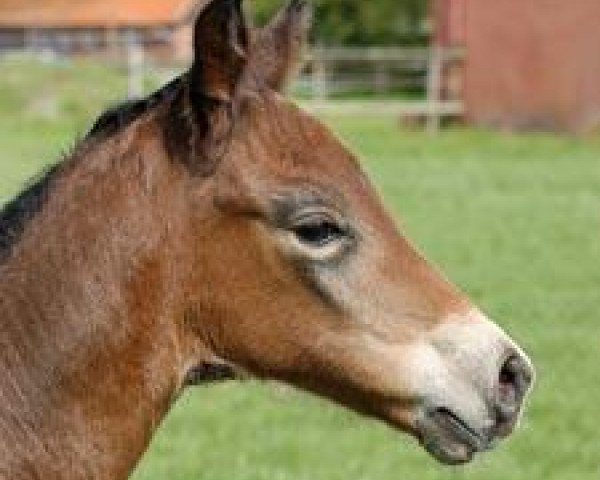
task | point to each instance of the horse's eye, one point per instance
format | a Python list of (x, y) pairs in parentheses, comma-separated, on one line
[(318, 233)]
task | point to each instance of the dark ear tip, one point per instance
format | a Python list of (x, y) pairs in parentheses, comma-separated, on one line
[(300, 6), (224, 5), (301, 12)]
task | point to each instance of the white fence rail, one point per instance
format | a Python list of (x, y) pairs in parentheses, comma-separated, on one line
[(375, 72), (381, 70)]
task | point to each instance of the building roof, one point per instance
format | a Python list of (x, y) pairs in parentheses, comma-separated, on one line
[(96, 13)]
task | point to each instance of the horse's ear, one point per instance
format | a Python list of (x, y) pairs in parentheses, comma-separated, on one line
[(278, 49), (203, 115), (220, 50)]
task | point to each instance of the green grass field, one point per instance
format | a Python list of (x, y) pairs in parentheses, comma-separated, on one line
[(514, 220)]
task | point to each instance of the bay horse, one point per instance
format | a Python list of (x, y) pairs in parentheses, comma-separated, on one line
[(214, 230)]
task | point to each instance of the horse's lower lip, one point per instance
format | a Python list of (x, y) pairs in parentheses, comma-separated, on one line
[(461, 430), (450, 439)]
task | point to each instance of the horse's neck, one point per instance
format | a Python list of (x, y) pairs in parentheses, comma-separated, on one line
[(89, 357)]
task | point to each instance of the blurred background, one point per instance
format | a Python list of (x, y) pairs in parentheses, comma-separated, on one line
[(476, 118)]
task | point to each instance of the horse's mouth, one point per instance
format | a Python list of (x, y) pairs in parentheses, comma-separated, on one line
[(449, 438)]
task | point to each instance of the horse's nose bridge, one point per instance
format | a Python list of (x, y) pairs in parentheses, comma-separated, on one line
[(427, 286)]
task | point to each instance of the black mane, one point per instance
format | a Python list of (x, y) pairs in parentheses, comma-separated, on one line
[(17, 213), (118, 118)]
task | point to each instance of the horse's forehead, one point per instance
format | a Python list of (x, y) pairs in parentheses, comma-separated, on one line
[(293, 145)]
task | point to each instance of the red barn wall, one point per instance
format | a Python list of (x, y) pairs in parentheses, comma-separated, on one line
[(533, 64), (450, 18)]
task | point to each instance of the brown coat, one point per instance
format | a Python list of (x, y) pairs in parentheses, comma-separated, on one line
[(216, 230)]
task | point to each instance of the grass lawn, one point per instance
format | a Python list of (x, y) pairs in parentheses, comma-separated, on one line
[(514, 220)]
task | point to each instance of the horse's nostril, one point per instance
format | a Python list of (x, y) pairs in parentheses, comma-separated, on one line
[(514, 380), (507, 375)]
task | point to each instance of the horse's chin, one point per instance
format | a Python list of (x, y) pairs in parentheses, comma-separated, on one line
[(450, 453)]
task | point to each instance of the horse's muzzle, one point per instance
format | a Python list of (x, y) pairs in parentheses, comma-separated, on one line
[(478, 397)]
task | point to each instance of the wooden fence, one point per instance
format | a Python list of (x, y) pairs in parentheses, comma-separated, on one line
[(381, 70), (380, 74)]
